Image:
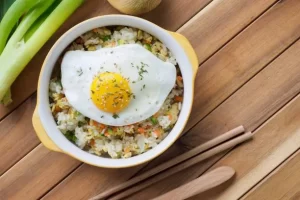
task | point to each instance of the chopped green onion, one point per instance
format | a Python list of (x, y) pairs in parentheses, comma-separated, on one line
[(153, 120), (147, 46), (77, 113), (106, 38), (80, 124), (71, 136), (115, 116), (120, 42), (110, 131)]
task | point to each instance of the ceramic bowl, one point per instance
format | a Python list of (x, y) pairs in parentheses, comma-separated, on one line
[(43, 120)]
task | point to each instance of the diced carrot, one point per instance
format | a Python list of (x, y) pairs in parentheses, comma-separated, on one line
[(141, 130), (179, 78), (102, 126), (96, 124), (115, 129), (178, 98), (106, 134), (170, 116), (157, 132)]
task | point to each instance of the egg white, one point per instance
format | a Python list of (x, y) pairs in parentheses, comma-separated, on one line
[(79, 68)]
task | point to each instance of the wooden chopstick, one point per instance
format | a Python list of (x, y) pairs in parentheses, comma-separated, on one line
[(182, 166), (201, 184), (197, 150)]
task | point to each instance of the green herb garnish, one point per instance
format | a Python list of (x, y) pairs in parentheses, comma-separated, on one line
[(142, 70), (153, 120), (80, 72), (77, 113), (115, 116), (71, 136), (147, 46), (110, 131), (106, 38), (80, 124), (120, 42)]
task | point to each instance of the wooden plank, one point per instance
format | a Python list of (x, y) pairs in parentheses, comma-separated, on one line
[(266, 93), (63, 189), (243, 57), (98, 179), (273, 143), (28, 79), (17, 136), (272, 88), (35, 174), (283, 183), (220, 21), (164, 14)]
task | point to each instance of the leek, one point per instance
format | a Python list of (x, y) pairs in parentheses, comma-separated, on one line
[(39, 20)]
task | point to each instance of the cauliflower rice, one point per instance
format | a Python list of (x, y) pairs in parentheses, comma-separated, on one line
[(116, 141)]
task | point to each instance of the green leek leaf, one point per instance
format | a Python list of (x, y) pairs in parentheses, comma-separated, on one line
[(40, 19), (12, 17), (4, 5)]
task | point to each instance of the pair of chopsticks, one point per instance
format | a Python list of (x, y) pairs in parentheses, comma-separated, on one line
[(179, 163)]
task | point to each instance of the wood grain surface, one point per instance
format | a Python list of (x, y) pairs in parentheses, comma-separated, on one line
[(219, 22), (17, 136), (33, 176), (249, 74), (252, 58), (243, 57), (283, 183), (258, 158)]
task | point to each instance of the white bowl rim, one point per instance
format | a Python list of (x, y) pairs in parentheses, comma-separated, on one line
[(44, 110)]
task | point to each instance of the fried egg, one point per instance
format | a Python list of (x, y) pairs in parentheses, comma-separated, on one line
[(116, 86)]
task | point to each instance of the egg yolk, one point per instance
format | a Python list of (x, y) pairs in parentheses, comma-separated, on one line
[(110, 92)]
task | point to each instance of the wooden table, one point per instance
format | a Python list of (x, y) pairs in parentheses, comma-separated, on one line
[(249, 73)]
